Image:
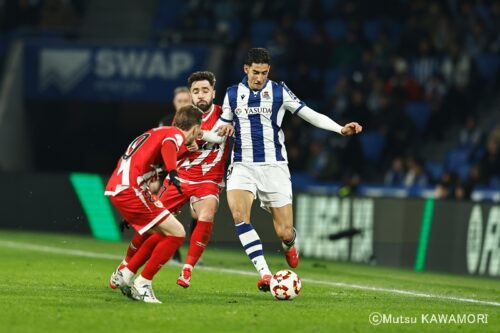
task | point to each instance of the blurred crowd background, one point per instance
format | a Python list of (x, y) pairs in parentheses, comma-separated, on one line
[(422, 77)]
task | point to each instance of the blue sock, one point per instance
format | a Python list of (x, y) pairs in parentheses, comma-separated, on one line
[(253, 247)]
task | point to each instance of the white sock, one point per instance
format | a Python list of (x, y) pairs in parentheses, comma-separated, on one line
[(141, 280), (253, 247), (127, 275)]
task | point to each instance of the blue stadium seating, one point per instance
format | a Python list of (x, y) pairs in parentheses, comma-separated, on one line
[(328, 5), (456, 158), (434, 170), (331, 78), (166, 14), (495, 182), (305, 28), (372, 144), (262, 32), (419, 112), (371, 29), (395, 33), (234, 28), (463, 171), (488, 65), (336, 29)]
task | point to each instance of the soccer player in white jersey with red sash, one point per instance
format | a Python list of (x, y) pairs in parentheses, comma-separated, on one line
[(259, 167), (201, 173)]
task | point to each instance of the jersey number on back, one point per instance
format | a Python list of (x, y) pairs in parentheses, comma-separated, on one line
[(126, 157)]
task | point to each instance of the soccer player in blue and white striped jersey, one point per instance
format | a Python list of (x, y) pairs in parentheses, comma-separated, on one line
[(259, 167)]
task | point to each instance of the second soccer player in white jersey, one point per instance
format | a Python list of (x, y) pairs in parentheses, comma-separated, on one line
[(259, 167)]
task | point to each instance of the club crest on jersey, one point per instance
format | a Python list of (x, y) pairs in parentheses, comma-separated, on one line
[(158, 204), (265, 94)]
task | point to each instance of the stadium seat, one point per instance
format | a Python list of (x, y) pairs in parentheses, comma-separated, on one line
[(463, 171), (419, 112), (495, 182), (336, 29), (487, 65), (305, 28), (456, 158), (234, 28), (434, 169), (166, 14), (328, 5), (262, 32), (331, 78), (372, 144), (395, 33), (301, 180), (371, 30)]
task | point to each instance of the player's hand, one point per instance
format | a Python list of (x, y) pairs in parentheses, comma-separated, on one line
[(193, 147), (124, 225), (352, 128), (225, 130), (174, 179)]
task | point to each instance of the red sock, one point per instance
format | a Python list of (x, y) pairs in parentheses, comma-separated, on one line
[(134, 245), (161, 254), (199, 241), (144, 252)]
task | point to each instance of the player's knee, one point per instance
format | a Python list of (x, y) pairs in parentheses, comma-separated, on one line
[(207, 215)]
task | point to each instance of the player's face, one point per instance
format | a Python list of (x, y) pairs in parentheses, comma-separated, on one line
[(203, 94), (181, 99), (257, 75)]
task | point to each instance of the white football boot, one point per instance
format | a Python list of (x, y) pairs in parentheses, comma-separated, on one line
[(142, 290), (121, 279)]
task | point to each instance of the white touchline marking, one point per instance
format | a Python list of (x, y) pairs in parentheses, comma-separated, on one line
[(97, 255)]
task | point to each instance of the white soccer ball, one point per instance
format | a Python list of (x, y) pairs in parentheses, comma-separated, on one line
[(285, 285)]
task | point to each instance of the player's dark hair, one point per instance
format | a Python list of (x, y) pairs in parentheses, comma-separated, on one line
[(258, 55), (201, 76), (187, 117)]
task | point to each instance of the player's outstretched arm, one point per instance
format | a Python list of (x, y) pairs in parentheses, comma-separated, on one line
[(219, 134), (212, 137), (321, 121), (351, 128)]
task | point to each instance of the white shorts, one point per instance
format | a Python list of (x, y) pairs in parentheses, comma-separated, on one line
[(270, 183)]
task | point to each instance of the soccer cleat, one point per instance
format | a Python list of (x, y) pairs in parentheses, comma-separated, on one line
[(292, 257), (264, 283), (185, 277), (143, 293), (116, 280)]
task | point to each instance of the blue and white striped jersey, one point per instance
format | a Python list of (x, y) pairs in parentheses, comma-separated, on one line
[(257, 118)]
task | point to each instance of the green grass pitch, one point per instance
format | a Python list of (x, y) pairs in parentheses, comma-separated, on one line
[(59, 283)]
